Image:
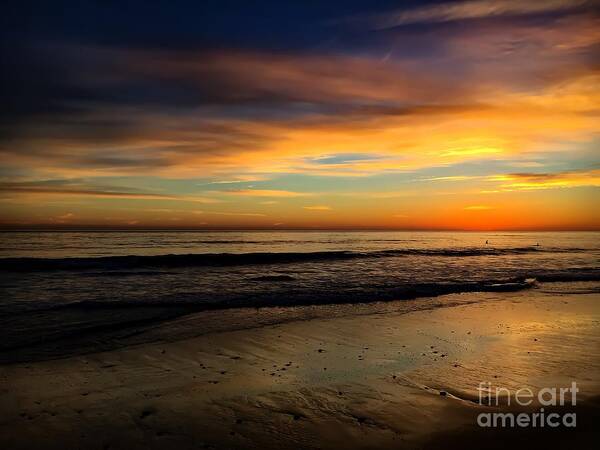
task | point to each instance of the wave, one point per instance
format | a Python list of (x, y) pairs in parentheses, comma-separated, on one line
[(196, 303), (569, 275), (300, 296), (234, 259), (66, 327)]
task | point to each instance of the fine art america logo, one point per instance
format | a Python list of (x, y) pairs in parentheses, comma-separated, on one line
[(525, 397)]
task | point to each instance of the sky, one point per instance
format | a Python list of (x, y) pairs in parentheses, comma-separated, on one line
[(466, 115)]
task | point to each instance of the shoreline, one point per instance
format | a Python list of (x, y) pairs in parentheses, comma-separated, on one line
[(113, 325), (365, 380)]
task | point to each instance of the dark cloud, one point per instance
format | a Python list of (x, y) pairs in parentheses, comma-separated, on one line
[(540, 176), (69, 80), (549, 176), (78, 187), (94, 94), (467, 10)]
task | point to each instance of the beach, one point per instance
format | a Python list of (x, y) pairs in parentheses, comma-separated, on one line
[(377, 378)]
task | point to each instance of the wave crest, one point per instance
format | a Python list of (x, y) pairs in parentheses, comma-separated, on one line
[(241, 259)]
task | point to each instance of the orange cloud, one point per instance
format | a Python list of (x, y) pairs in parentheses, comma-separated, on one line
[(478, 208), (536, 181), (317, 208), (265, 193)]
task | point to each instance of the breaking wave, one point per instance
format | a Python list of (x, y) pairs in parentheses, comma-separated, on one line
[(242, 259)]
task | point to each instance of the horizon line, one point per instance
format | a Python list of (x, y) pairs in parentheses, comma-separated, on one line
[(92, 228)]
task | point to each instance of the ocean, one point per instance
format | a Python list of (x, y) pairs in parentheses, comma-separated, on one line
[(65, 292)]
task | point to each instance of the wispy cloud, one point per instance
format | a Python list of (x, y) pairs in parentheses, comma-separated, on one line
[(536, 181), (63, 218), (81, 192), (265, 193), (475, 9), (317, 208), (478, 208), (242, 214), (240, 179), (49, 188), (453, 178)]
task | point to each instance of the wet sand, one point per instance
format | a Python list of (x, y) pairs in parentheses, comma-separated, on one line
[(382, 380)]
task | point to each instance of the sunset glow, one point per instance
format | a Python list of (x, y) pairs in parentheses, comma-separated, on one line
[(474, 115)]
